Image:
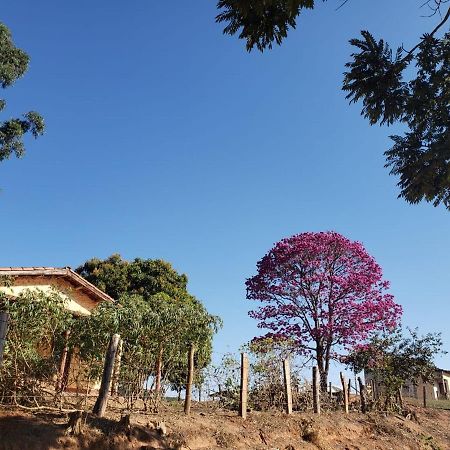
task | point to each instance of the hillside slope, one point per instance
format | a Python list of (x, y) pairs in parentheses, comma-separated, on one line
[(207, 429)]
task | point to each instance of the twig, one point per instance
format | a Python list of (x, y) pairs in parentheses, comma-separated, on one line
[(439, 25), (41, 408), (341, 5)]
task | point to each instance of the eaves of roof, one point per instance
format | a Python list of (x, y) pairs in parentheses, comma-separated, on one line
[(66, 273)]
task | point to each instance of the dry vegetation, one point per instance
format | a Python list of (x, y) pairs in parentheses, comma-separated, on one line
[(212, 428)]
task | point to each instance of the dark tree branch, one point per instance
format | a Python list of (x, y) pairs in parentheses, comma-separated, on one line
[(342, 5), (438, 26)]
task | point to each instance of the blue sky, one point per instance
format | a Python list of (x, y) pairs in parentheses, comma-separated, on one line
[(166, 139)]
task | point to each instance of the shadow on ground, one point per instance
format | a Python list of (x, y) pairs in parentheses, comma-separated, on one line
[(19, 431)]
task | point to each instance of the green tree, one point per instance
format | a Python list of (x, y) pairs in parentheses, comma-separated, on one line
[(156, 316), (13, 65), (407, 87), (260, 22), (376, 77), (33, 345), (156, 333), (393, 359), (144, 277)]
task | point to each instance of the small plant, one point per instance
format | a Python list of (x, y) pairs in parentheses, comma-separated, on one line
[(428, 442), (308, 433)]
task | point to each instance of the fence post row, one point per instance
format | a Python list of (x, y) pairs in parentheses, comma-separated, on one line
[(344, 392), (190, 378), (287, 385), (103, 395), (4, 321), (316, 390), (244, 386)]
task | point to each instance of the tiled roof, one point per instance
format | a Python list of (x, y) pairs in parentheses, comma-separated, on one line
[(64, 272)]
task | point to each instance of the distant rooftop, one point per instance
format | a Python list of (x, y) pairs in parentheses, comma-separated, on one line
[(65, 272)]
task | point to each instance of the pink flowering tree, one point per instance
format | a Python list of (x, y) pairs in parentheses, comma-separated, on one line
[(322, 292)]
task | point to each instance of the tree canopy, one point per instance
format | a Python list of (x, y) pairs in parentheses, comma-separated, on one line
[(144, 277), (13, 65), (321, 292), (376, 77), (155, 314), (260, 22), (408, 87)]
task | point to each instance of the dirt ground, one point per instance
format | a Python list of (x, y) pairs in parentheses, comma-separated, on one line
[(208, 428)]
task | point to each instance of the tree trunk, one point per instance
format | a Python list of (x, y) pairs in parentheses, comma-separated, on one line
[(322, 366), (158, 370), (323, 381), (362, 393)]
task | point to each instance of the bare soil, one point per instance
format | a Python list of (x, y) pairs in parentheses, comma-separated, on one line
[(211, 428)]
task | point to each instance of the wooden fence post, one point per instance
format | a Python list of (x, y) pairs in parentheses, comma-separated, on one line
[(62, 363), (374, 391), (287, 385), (316, 390), (244, 386), (116, 371), (4, 321), (424, 389), (103, 394), (190, 379), (362, 394), (330, 392), (349, 388), (344, 392)]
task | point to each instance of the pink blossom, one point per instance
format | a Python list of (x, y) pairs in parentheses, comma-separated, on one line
[(321, 290)]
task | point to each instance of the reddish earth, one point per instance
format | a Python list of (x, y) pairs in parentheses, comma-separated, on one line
[(215, 429)]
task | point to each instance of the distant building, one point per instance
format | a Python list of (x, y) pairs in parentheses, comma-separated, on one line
[(81, 297), (437, 389)]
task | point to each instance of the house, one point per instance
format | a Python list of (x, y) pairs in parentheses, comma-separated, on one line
[(81, 296), (437, 389)]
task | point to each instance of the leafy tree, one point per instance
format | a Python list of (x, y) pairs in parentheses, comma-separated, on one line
[(393, 359), (157, 333), (33, 346), (13, 65), (260, 22), (171, 316), (421, 156), (321, 291), (410, 88), (143, 277)]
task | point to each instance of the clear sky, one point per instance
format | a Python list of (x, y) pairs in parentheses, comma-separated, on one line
[(166, 139)]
